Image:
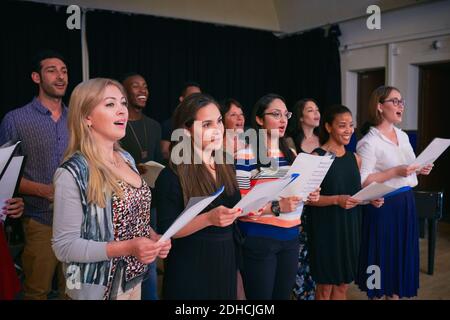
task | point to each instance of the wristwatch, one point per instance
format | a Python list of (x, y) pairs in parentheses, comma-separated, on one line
[(276, 208)]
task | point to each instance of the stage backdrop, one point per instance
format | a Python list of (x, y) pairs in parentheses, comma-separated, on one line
[(226, 61), (26, 27)]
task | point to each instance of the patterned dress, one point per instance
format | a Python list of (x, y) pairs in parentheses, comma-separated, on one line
[(305, 287), (131, 219)]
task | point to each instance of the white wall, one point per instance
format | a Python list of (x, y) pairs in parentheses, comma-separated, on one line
[(403, 43)]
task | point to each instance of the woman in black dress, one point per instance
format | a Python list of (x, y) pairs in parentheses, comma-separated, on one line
[(202, 262), (334, 222)]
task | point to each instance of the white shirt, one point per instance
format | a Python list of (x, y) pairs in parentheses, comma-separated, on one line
[(378, 154)]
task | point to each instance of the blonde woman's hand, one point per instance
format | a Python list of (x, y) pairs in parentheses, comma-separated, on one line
[(144, 249), (165, 245)]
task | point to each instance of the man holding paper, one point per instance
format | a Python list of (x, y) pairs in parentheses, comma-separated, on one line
[(390, 234)]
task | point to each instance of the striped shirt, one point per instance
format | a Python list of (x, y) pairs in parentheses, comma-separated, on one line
[(249, 174), (43, 143)]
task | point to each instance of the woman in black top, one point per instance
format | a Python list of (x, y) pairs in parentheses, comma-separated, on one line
[(334, 222), (202, 263)]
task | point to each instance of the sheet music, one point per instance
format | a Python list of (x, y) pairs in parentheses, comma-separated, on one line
[(373, 191), (9, 181), (153, 170), (263, 193), (312, 170), (194, 207), (6, 153), (432, 152)]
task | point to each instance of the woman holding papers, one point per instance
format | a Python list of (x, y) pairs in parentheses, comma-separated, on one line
[(390, 234), (333, 223), (270, 248), (101, 226), (9, 282), (304, 137), (202, 262)]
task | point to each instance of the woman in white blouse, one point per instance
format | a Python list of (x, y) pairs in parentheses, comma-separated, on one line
[(390, 234)]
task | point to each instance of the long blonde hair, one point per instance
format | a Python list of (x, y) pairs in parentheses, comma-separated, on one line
[(102, 181)]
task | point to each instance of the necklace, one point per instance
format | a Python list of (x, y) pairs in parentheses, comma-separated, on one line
[(144, 153), (114, 162), (332, 151)]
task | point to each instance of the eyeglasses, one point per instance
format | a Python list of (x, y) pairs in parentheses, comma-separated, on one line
[(277, 115), (396, 102)]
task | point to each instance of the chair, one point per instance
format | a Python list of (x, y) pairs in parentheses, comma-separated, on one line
[(429, 208)]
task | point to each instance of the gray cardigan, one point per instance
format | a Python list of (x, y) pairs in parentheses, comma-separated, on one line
[(81, 231)]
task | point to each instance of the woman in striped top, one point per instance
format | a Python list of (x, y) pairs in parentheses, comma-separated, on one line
[(270, 248)]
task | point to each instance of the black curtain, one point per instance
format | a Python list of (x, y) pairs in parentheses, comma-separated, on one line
[(226, 61), (25, 28)]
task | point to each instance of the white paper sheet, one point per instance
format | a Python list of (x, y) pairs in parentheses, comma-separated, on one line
[(5, 154), (263, 193), (312, 170), (373, 191), (153, 170), (432, 152), (9, 181), (194, 207)]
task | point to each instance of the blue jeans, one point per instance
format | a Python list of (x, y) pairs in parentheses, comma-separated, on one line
[(149, 289)]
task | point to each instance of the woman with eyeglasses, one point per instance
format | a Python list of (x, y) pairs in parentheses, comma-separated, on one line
[(390, 234), (270, 246)]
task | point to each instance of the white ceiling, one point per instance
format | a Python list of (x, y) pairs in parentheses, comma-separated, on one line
[(282, 16)]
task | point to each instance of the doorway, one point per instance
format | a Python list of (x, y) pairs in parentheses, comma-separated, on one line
[(434, 115), (368, 81)]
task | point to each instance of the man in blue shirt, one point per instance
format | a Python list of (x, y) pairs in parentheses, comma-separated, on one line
[(42, 129)]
